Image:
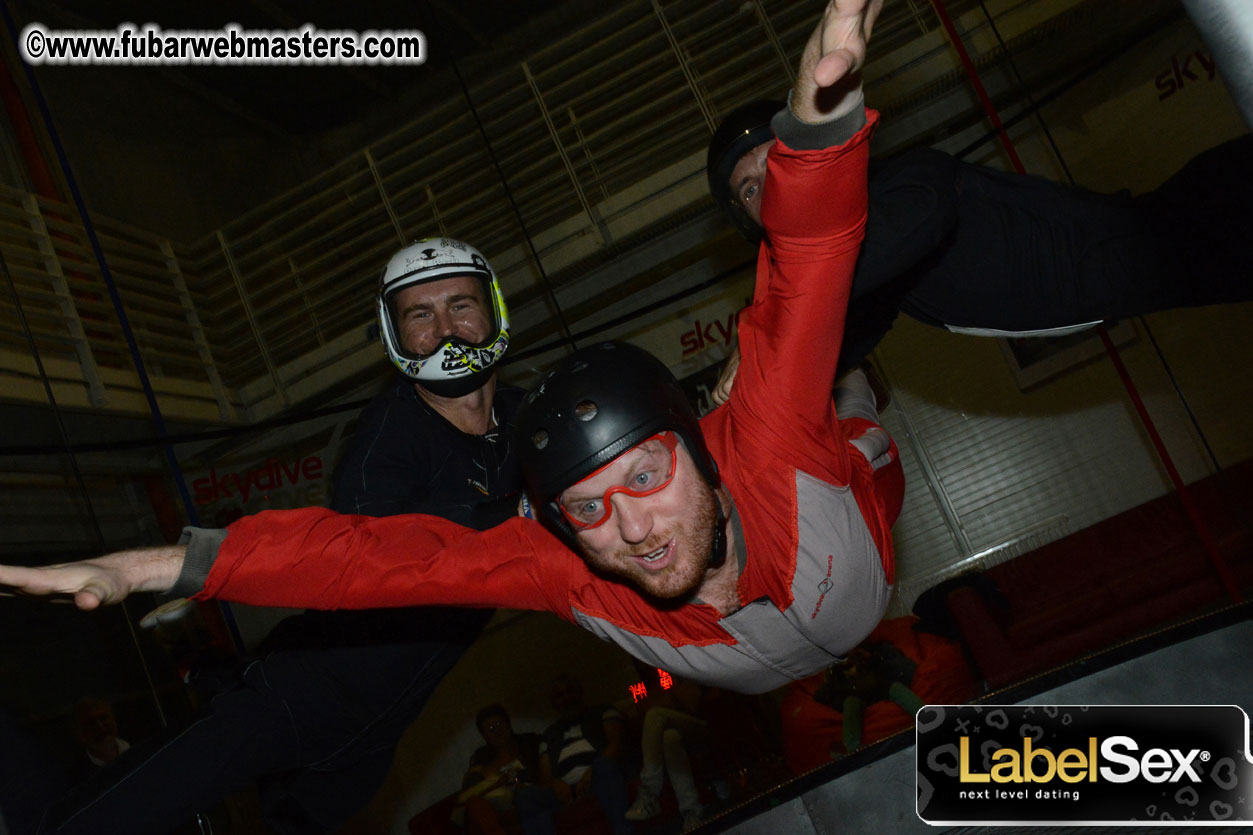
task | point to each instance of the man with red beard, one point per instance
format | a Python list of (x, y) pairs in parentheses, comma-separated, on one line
[(743, 550)]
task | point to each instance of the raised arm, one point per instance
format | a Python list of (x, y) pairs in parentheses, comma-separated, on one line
[(814, 209)]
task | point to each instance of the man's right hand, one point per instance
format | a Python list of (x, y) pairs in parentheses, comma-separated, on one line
[(722, 391), (101, 581), (828, 84)]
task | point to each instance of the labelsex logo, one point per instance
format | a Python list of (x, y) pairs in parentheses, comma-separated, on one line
[(1040, 765)]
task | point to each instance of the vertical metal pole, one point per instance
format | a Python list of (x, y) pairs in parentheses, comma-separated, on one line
[(561, 152), (82, 347), (1185, 495), (688, 72), (252, 319), (976, 84), (197, 331), (387, 204)]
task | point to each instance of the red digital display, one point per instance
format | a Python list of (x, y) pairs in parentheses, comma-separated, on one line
[(639, 691)]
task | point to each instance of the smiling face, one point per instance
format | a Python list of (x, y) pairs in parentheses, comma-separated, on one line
[(748, 179), (428, 313), (661, 542)]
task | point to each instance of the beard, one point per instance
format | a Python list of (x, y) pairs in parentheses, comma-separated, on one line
[(693, 538)]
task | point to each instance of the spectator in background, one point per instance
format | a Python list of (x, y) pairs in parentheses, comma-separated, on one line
[(503, 777), (909, 665), (672, 720), (874, 671), (582, 753), (95, 727)]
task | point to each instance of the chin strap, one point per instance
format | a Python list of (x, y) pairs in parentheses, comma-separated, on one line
[(718, 550), (458, 386)]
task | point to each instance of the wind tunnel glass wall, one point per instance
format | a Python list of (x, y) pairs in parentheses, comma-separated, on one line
[(1026, 463)]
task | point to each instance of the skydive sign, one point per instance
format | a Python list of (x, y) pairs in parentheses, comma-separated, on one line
[(272, 475), (1084, 764), (225, 492)]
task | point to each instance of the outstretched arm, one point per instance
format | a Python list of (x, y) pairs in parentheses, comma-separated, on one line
[(100, 581), (319, 559)]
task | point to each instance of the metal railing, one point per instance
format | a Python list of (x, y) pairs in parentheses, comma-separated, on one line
[(601, 135), (73, 326)]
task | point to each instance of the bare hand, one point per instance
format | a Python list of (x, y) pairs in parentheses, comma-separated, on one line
[(722, 391), (846, 27), (99, 581), (835, 52)]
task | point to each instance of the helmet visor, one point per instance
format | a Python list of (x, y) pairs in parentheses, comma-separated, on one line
[(650, 471)]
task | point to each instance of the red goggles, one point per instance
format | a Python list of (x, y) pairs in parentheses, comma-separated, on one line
[(650, 472)]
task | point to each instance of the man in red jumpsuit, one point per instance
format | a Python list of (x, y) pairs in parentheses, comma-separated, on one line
[(745, 551)]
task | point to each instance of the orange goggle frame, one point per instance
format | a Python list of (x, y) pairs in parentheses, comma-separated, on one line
[(668, 439)]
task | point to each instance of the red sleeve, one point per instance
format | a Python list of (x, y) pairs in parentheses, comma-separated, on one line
[(814, 211), (320, 559)]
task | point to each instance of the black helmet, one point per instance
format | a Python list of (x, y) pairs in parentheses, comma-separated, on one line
[(595, 405), (743, 129)]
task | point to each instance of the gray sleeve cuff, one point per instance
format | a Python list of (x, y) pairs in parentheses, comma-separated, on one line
[(202, 549), (806, 136)]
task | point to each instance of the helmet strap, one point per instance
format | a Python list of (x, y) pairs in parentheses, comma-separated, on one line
[(718, 550), (458, 386)]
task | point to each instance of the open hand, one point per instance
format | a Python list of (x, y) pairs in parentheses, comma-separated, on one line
[(844, 32), (88, 583), (101, 581), (828, 84)]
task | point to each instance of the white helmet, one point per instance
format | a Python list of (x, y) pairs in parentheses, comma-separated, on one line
[(455, 367)]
